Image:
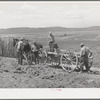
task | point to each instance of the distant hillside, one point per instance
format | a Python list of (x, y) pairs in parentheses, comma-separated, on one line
[(92, 28), (32, 30), (26, 30)]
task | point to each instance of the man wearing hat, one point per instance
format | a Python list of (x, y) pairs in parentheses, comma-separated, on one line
[(51, 40), (19, 43), (26, 50), (52, 37), (84, 59), (19, 50)]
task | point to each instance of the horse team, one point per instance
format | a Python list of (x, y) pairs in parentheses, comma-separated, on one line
[(26, 51)]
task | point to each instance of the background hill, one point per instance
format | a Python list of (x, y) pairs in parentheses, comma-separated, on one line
[(45, 30)]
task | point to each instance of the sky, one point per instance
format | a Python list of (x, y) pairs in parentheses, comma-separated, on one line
[(49, 14)]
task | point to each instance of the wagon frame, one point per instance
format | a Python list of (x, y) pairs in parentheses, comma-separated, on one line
[(65, 61)]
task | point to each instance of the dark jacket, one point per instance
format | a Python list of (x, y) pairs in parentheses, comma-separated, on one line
[(27, 48)]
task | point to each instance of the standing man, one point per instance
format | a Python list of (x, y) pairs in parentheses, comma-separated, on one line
[(19, 45), (84, 57), (35, 50), (26, 50), (51, 40)]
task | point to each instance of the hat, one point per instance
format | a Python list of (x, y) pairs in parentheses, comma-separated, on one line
[(82, 44), (50, 32)]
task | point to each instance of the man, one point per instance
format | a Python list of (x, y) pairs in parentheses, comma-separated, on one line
[(35, 50), (26, 50), (19, 45), (84, 57), (51, 40)]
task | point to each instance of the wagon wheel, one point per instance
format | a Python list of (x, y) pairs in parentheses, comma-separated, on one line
[(63, 62), (68, 64), (76, 62)]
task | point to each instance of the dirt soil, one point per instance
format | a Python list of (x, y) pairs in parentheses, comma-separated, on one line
[(13, 75)]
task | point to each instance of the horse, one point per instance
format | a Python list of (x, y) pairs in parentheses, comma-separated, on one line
[(23, 51), (32, 56), (15, 42)]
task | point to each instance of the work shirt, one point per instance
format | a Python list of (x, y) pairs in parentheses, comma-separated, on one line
[(34, 48), (19, 44), (27, 48), (89, 52), (83, 52), (51, 38)]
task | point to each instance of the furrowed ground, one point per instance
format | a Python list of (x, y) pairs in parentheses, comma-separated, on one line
[(13, 75)]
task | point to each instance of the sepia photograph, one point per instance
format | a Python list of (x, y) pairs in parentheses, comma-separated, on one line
[(49, 44)]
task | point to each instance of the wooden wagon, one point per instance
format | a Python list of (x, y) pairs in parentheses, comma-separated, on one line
[(69, 61)]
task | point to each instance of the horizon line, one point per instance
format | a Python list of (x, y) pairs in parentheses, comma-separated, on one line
[(51, 27)]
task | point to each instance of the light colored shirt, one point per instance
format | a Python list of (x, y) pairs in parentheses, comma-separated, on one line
[(89, 52), (19, 44), (34, 48), (85, 50), (82, 52), (51, 38)]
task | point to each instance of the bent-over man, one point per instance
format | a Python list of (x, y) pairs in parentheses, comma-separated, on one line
[(84, 57)]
